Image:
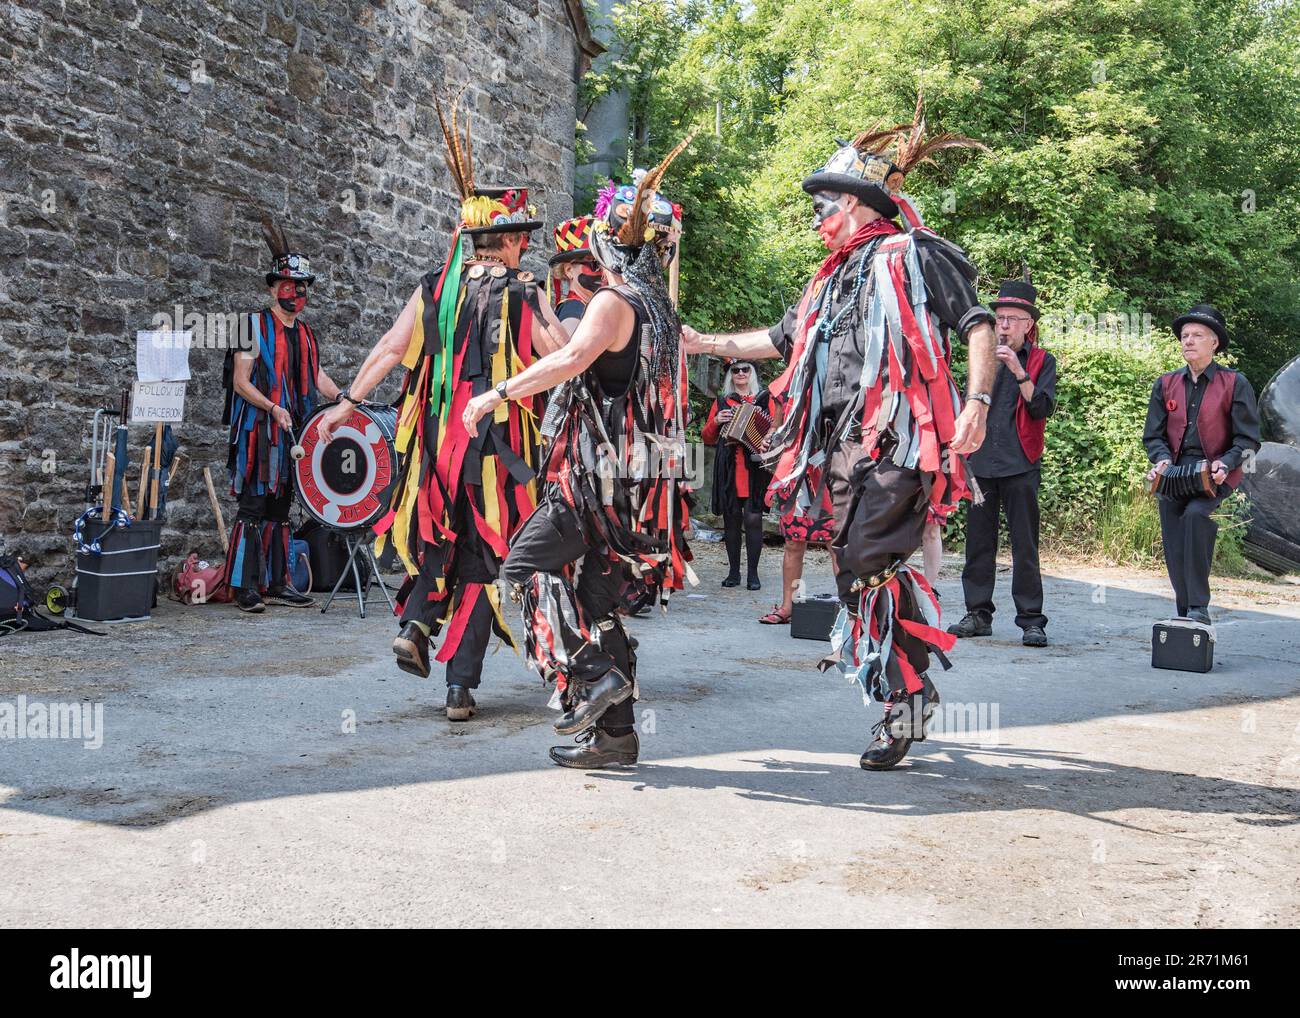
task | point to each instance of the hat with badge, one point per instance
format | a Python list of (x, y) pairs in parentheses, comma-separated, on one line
[(627, 217), (285, 262)]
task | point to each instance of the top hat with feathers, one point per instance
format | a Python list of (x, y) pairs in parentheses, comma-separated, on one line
[(285, 263), (861, 167), (483, 210), (629, 216)]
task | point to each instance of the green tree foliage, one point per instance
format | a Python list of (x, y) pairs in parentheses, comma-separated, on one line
[(1145, 158)]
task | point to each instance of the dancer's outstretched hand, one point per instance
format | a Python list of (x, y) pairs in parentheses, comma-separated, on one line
[(478, 408), (969, 434), (331, 419), (692, 341)]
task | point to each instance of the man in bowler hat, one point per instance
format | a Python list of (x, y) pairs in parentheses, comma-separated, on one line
[(1202, 411), (1006, 467)]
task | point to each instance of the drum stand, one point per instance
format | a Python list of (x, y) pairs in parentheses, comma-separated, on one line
[(359, 546)]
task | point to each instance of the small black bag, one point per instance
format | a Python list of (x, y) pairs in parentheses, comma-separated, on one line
[(16, 598), (1182, 645), (327, 551), (18, 604), (812, 619)]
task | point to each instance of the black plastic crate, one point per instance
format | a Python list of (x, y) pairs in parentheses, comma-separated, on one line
[(119, 582)]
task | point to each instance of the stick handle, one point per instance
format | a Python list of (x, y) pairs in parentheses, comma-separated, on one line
[(144, 484), (157, 468), (216, 509), (110, 463)]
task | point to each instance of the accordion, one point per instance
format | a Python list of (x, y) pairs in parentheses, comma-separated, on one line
[(1190, 480), (749, 425)]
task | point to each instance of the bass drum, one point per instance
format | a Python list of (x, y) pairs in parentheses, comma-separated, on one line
[(347, 483)]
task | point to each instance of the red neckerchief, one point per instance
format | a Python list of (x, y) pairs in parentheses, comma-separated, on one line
[(828, 267)]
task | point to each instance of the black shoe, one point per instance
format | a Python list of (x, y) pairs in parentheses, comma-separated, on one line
[(1034, 637), (597, 748), (904, 722), (460, 704), (732, 580), (1201, 615), (754, 583), (249, 600), (288, 597), (411, 648), (972, 624), (593, 699)]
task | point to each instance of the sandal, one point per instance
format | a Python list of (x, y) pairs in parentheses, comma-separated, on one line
[(776, 617)]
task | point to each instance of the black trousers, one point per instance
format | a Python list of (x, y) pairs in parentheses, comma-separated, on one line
[(475, 563), (548, 541), (258, 557), (1018, 495), (466, 666), (884, 524), (1188, 535)]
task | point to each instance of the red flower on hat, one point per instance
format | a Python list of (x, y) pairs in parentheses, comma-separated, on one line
[(1171, 405)]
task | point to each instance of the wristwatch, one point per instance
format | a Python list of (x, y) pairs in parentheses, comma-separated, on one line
[(980, 397), (500, 390), (344, 394)]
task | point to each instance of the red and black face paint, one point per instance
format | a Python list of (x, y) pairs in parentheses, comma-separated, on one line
[(590, 276), (291, 295), (828, 215)]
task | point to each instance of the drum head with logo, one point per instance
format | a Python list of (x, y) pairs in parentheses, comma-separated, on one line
[(347, 483)]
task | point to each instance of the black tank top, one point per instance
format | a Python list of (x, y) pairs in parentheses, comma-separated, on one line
[(614, 369)]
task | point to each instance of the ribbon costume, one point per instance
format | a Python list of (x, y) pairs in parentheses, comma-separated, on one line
[(461, 497), (286, 373), (884, 305), (613, 498)]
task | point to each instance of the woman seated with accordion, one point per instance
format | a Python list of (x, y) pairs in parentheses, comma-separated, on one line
[(738, 422)]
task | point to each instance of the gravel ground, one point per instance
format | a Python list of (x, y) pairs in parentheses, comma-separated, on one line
[(278, 770)]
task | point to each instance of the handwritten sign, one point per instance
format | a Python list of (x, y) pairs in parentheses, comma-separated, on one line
[(157, 401), (163, 356)]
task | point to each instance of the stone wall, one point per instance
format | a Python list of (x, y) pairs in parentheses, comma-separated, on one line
[(140, 143)]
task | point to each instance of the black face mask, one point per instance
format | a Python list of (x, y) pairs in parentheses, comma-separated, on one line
[(589, 281)]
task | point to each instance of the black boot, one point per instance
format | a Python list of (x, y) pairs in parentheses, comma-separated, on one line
[(1034, 636), (597, 748), (972, 624), (592, 699), (247, 599), (411, 648), (460, 704), (288, 597), (904, 723)]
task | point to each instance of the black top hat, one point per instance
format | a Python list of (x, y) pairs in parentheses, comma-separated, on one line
[(860, 174), (1206, 314), (1017, 293)]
